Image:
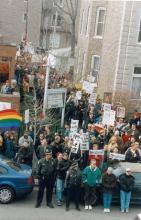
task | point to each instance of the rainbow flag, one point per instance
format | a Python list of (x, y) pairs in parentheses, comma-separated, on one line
[(10, 119)]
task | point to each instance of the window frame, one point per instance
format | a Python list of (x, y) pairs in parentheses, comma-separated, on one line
[(96, 23), (134, 75), (87, 21), (92, 62)]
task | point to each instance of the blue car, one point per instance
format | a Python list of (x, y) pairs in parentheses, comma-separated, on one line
[(15, 180)]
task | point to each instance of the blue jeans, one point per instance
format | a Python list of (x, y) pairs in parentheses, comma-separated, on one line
[(124, 199), (59, 189), (107, 199)]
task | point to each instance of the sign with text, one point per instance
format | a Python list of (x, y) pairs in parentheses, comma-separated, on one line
[(84, 143), (74, 126), (117, 156), (26, 116), (96, 152), (88, 87), (120, 112), (56, 98), (92, 99)]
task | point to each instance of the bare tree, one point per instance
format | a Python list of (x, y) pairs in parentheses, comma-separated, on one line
[(70, 9)]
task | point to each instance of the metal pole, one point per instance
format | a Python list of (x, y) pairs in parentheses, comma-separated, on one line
[(46, 89), (26, 24), (63, 112)]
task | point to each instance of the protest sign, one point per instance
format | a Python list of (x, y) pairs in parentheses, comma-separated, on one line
[(79, 95), (88, 87), (96, 152), (84, 143), (106, 106), (109, 117), (92, 99), (74, 126), (120, 112), (117, 156)]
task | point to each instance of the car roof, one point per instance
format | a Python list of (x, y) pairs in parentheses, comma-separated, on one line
[(135, 167)]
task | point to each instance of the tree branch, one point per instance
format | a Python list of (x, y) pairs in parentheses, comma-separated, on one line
[(61, 9)]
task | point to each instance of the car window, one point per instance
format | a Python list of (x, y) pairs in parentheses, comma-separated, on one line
[(137, 178), (3, 170)]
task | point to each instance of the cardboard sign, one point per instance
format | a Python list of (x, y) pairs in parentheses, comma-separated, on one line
[(74, 126), (88, 87), (92, 99), (84, 143), (117, 156), (96, 152), (121, 112), (79, 95), (109, 117), (106, 106)]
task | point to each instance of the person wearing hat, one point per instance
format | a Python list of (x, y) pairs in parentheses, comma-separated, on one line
[(62, 168), (46, 175), (126, 182), (73, 184), (109, 182)]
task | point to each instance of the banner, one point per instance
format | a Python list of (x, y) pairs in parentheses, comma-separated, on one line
[(117, 156), (96, 152)]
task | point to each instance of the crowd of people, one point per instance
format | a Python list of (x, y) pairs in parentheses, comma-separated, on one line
[(59, 167)]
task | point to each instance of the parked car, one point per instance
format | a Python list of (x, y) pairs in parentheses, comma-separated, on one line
[(15, 180), (136, 172)]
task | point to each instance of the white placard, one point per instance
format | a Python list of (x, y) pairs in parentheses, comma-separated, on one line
[(92, 99), (5, 105), (117, 156), (26, 116), (109, 117), (84, 141), (74, 126), (106, 106), (88, 87), (55, 100), (96, 152), (121, 112), (79, 95)]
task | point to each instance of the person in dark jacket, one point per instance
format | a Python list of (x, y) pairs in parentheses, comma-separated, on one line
[(73, 184), (62, 168), (109, 181), (132, 154), (126, 182), (25, 154), (46, 175), (57, 146)]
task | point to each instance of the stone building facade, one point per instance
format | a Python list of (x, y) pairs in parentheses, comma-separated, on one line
[(109, 47)]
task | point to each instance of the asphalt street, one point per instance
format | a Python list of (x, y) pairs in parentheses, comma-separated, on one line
[(23, 209)]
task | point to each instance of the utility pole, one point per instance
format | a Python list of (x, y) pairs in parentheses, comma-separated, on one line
[(26, 24)]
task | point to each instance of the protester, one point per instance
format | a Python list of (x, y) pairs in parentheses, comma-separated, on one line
[(72, 184), (133, 154), (62, 167), (91, 177), (126, 182), (109, 182)]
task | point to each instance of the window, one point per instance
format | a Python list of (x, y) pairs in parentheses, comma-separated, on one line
[(87, 21), (3, 170), (95, 66), (100, 21), (139, 36), (81, 24), (25, 16), (136, 83), (54, 41), (56, 21)]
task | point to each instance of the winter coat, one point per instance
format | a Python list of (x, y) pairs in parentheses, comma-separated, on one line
[(9, 149), (129, 156), (73, 177), (25, 155), (91, 177), (108, 182), (62, 168), (126, 182)]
